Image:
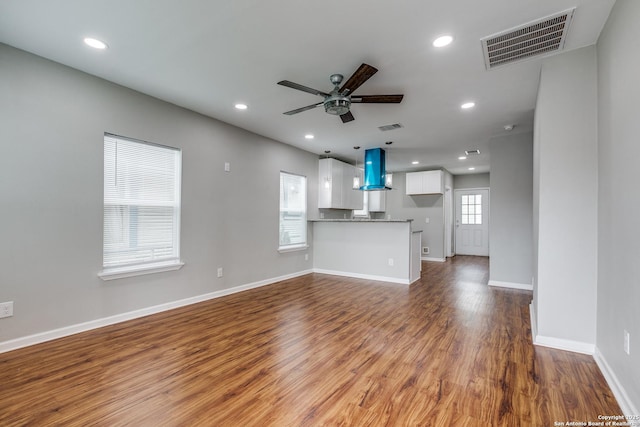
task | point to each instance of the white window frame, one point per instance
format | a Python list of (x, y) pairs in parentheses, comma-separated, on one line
[(364, 212), (301, 245), (470, 214), (152, 264)]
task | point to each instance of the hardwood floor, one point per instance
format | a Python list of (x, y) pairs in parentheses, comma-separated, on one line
[(316, 350)]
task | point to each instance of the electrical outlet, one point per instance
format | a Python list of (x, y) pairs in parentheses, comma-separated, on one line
[(6, 309), (426, 220), (627, 342), (425, 250), (227, 167), (390, 262), (219, 271), (306, 257)]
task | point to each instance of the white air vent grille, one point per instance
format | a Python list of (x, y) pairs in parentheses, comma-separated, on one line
[(471, 152), (390, 127), (540, 37)]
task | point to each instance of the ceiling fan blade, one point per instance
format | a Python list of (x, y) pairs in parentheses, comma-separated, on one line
[(347, 117), (362, 74), (297, 86), (384, 99), (300, 110)]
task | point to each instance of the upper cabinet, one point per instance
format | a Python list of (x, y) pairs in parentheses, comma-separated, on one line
[(377, 200), (335, 186), (426, 182)]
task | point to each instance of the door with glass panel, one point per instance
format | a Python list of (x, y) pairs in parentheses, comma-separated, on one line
[(472, 222)]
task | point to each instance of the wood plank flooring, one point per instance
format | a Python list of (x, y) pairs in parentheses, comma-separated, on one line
[(312, 351)]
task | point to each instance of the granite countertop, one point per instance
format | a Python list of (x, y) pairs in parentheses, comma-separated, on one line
[(360, 220)]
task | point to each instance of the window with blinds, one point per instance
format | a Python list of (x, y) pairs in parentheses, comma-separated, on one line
[(141, 205), (293, 211)]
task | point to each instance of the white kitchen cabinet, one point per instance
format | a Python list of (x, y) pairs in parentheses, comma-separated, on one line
[(426, 182), (414, 183), (335, 187), (377, 200)]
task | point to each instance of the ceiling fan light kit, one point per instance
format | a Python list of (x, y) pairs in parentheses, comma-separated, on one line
[(338, 101), (337, 106)]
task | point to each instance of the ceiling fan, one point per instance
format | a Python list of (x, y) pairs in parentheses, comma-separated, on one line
[(339, 100)]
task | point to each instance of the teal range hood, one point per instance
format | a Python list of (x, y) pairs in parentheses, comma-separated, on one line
[(374, 170)]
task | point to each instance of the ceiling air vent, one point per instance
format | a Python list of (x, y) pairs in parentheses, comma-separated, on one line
[(541, 37), (471, 152), (390, 127)]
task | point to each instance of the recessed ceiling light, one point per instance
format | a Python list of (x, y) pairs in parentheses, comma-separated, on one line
[(468, 105), (442, 41), (472, 169), (462, 158), (309, 136), (95, 43), (241, 106), (415, 162)]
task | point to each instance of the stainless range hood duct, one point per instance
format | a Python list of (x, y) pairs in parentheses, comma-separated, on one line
[(374, 170)]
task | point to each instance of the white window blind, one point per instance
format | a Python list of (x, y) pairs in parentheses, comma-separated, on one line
[(141, 204), (293, 211)]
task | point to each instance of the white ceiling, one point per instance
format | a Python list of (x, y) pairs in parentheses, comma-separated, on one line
[(207, 55)]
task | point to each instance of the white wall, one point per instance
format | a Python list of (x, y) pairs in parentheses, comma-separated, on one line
[(566, 201), (473, 180), (418, 208), (52, 120), (363, 249), (510, 234), (619, 204)]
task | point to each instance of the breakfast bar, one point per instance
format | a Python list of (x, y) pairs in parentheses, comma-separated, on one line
[(375, 249)]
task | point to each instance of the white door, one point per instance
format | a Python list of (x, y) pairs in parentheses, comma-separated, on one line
[(472, 222)]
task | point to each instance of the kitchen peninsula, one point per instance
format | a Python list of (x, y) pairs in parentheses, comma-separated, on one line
[(375, 249)]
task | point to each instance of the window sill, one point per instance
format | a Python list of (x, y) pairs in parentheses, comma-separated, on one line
[(293, 248), (139, 270)]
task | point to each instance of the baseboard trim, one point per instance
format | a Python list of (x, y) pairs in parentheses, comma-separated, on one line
[(432, 259), (534, 322), (557, 343), (612, 380), (614, 384), (510, 285), (41, 337), (562, 344), (362, 276)]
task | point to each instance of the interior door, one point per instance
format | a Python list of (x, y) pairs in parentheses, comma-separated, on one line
[(472, 222)]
